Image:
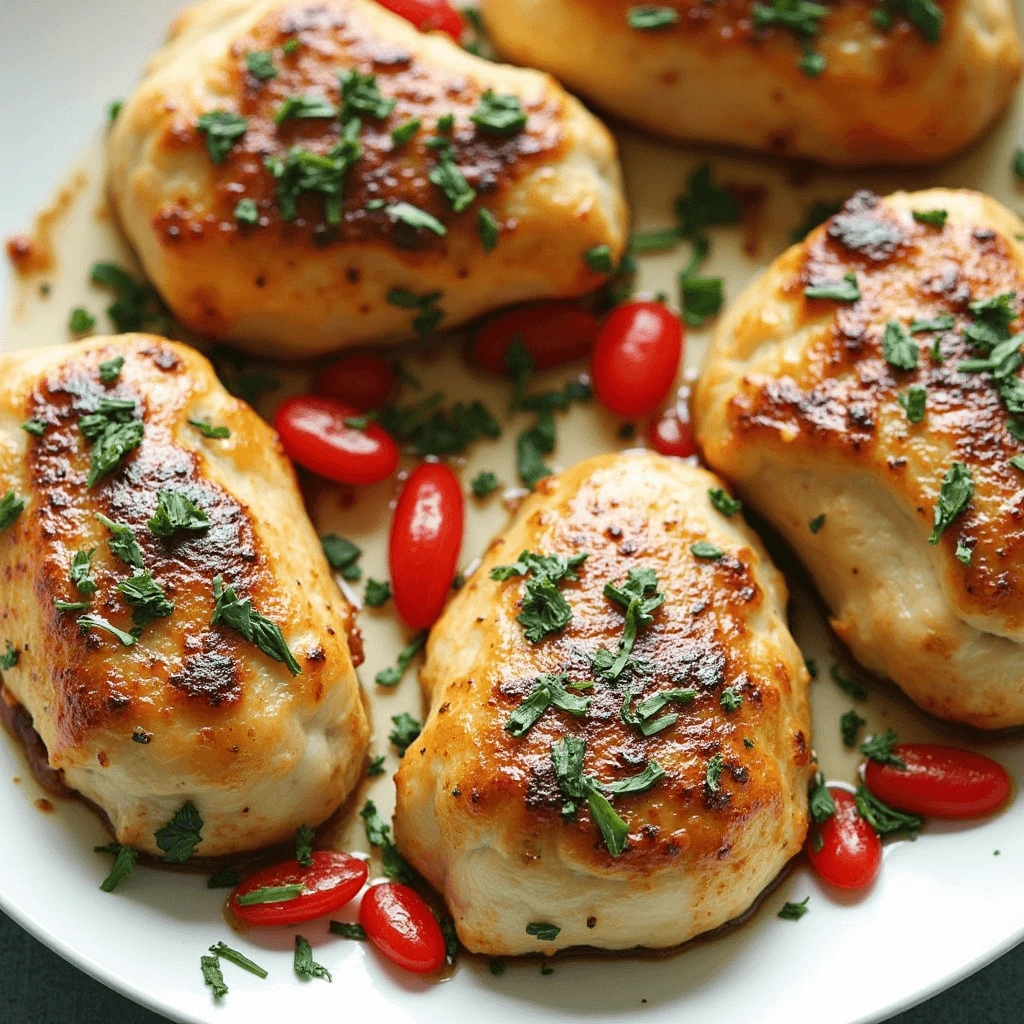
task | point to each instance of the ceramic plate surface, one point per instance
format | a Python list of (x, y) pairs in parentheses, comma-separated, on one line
[(942, 907)]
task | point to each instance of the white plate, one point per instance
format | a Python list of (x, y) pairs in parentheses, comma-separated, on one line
[(942, 907)]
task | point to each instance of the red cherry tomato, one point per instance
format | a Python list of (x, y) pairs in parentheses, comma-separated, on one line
[(850, 853), (552, 332), (670, 433), (314, 434), (941, 782), (428, 15), (331, 881), (399, 923), (361, 380), (426, 537), (636, 357)]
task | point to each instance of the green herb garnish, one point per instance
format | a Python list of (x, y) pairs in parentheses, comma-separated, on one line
[(222, 130), (176, 511), (393, 676), (305, 965), (954, 495), (181, 835), (499, 114), (256, 628), (838, 291)]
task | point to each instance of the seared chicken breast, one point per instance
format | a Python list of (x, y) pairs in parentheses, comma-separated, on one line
[(861, 82), (168, 617), (880, 431), (301, 176), (617, 751)]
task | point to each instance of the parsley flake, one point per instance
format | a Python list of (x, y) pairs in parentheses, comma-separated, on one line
[(81, 565), (543, 931), (111, 369), (405, 131), (954, 496), (548, 690), (81, 320), (648, 16), (256, 628), (213, 976), (247, 212), (819, 801), (544, 609), (936, 218), (9, 658), (377, 593), (176, 511), (703, 549), (260, 64), (499, 114), (225, 952), (487, 229), (898, 347), (599, 259), (393, 676), (34, 427), (304, 107), (723, 502), (122, 542), (849, 726), (414, 217), (342, 555), (347, 930), (885, 820), (11, 506), (794, 911), (207, 429), (124, 864), (360, 95), (181, 835), (86, 622), (879, 748), (816, 523), (483, 484), (731, 700), (838, 291), (305, 965), (913, 403), (845, 683), (222, 130), (406, 729)]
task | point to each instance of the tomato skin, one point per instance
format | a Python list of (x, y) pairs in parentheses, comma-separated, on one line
[(553, 333), (332, 881), (671, 433), (428, 15), (636, 357), (399, 923), (426, 537), (940, 782), (851, 852), (313, 433), (361, 380)]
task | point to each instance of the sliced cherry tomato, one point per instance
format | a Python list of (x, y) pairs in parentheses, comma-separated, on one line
[(426, 537), (670, 433), (552, 332), (361, 380), (941, 782), (636, 357), (314, 434), (331, 881), (399, 923), (850, 853), (428, 15)]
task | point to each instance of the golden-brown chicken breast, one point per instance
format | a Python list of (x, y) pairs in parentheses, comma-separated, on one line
[(851, 82), (303, 175), (879, 430), (170, 622), (617, 751)]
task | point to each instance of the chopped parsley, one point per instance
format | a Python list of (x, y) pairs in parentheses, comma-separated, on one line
[(222, 130), (347, 930), (34, 427), (898, 348), (701, 296), (256, 628), (414, 217), (377, 593), (376, 766), (531, 446), (124, 863), (445, 174), (548, 690), (936, 218), (81, 565), (816, 523), (181, 835), (176, 511), (225, 952), (640, 598), (393, 676), (270, 894), (111, 369), (428, 315), (122, 542), (86, 622), (794, 911), (73, 606), (378, 833), (954, 495), (713, 773), (849, 726), (260, 64), (406, 729), (487, 229), (499, 114), (9, 658), (731, 700), (819, 800), (342, 555), (845, 290), (914, 402), (207, 429), (360, 95), (114, 431), (925, 15), (137, 305), (723, 502), (304, 107), (305, 965), (801, 17), (879, 748), (81, 320), (304, 837), (405, 131), (847, 684), (213, 976), (648, 16), (247, 212), (660, 240), (964, 553), (544, 931), (939, 322), (544, 609), (483, 484), (703, 549), (11, 506), (599, 259), (885, 820)]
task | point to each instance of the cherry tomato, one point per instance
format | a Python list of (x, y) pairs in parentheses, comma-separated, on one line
[(331, 881), (670, 433), (941, 782), (552, 332), (850, 853), (361, 380), (399, 923), (636, 357), (428, 15), (426, 537), (314, 434)]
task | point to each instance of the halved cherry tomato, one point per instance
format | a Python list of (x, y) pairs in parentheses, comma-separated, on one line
[(399, 923), (636, 357), (426, 537), (850, 852), (552, 332), (941, 782), (428, 15), (331, 881), (314, 434), (670, 433), (362, 380)]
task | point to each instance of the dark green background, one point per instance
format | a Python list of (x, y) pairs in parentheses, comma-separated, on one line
[(37, 987)]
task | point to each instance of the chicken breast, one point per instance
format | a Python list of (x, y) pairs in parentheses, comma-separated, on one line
[(881, 435), (301, 176), (170, 622), (573, 786), (859, 83)]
